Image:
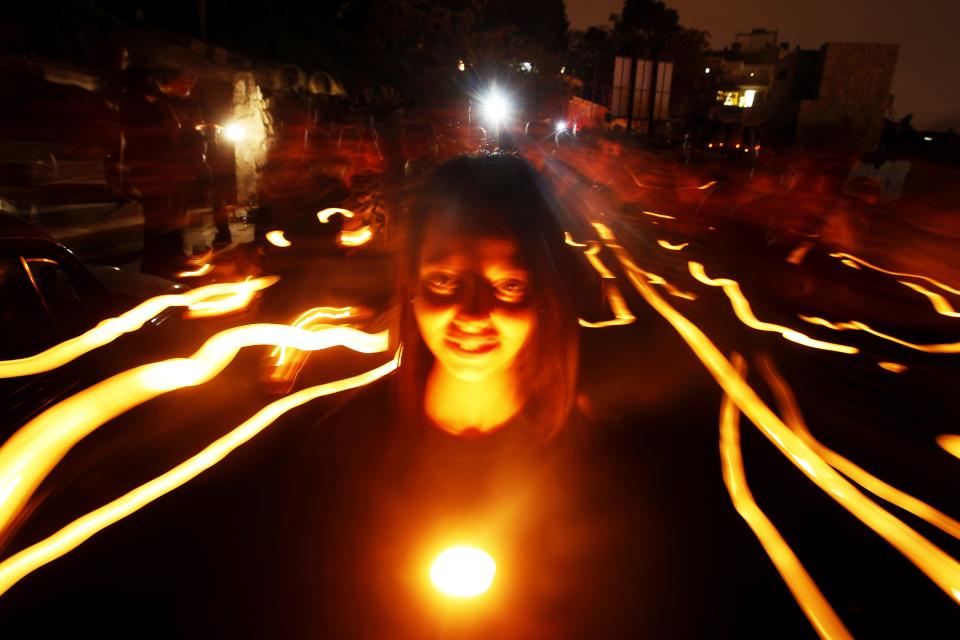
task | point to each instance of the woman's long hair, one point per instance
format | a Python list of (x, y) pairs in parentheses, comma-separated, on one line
[(508, 188)]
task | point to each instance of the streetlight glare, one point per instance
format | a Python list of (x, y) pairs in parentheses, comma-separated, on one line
[(463, 572), (561, 125), (234, 132), (495, 107)]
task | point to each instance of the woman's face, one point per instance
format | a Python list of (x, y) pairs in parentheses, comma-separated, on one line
[(472, 301)]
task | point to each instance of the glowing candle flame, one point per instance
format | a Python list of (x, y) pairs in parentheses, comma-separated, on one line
[(814, 605), (202, 271), (112, 328), (463, 572), (672, 247), (277, 239), (741, 307)]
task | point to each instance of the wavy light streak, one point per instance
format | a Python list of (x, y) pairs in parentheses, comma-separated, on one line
[(325, 214), (277, 238), (794, 418), (940, 304), (856, 325), (621, 312), (893, 366), (71, 536), (658, 215), (950, 443), (672, 247), (220, 297), (355, 238), (32, 452), (845, 257), (743, 311), (939, 567), (202, 271), (805, 591)]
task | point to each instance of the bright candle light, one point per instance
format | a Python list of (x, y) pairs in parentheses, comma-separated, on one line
[(463, 572), (234, 132)]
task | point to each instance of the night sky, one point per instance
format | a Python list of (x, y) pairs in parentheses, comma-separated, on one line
[(927, 82)]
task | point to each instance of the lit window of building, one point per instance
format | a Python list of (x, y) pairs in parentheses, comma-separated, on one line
[(746, 100), (728, 98)]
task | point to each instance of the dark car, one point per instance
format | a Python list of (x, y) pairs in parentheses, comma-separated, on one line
[(47, 295)]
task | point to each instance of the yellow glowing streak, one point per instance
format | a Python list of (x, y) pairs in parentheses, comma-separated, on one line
[(700, 188), (950, 443), (936, 283), (112, 328), (707, 185), (463, 572), (940, 304), (356, 238), (792, 416), (71, 536), (658, 215), (325, 215), (893, 366), (234, 299), (570, 241), (814, 605), (596, 263), (30, 453), (607, 235), (202, 271), (277, 239), (621, 312), (950, 347), (943, 570), (307, 320), (741, 307), (851, 263), (672, 247)]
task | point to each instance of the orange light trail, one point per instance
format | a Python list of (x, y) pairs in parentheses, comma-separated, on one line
[(950, 443), (942, 569), (658, 215), (672, 247), (277, 238), (308, 320), (591, 254), (32, 452), (71, 536), (805, 591), (940, 285), (940, 304), (794, 418), (355, 238), (112, 328), (325, 215), (202, 271), (621, 312), (950, 347), (893, 366), (570, 241), (741, 307)]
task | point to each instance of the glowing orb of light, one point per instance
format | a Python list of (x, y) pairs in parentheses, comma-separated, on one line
[(234, 132), (463, 572), (561, 125), (495, 107)]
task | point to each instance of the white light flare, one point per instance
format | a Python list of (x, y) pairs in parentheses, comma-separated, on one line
[(463, 572), (495, 108), (235, 132)]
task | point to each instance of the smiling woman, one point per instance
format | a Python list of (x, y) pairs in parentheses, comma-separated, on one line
[(488, 334)]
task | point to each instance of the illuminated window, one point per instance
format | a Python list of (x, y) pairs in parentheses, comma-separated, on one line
[(746, 100), (728, 98)]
